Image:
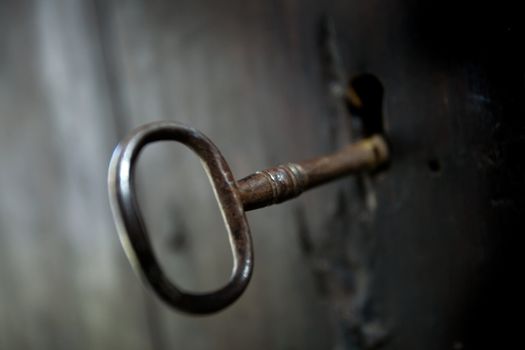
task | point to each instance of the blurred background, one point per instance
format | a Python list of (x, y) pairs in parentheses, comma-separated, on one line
[(75, 77), (424, 255)]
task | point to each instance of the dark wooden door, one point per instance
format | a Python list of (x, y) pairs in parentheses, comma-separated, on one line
[(423, 255)]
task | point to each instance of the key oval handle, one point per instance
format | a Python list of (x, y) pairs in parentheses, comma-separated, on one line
[(133, 232)]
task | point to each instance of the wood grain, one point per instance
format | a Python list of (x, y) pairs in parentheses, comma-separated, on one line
[(76, 76), (423, 256)]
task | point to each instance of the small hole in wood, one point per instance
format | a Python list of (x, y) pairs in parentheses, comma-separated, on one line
[(434, 165)]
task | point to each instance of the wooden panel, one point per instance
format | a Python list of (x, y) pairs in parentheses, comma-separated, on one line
[(225, 69), (76, 77), (62, 272), (423, 256)]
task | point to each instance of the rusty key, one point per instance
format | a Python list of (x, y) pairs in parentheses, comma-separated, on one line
[(263, 188)]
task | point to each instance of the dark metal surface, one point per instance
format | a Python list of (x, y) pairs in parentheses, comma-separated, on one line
[(263, 188), (436, 263)]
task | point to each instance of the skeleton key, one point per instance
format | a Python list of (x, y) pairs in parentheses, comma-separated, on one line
[(263, 188)]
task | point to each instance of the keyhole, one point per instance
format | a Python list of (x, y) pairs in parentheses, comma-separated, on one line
[(364, 98)]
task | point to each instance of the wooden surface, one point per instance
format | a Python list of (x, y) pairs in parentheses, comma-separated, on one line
[(75, 77), (422, 256)]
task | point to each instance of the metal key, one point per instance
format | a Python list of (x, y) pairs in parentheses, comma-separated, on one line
[(263, 188)]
